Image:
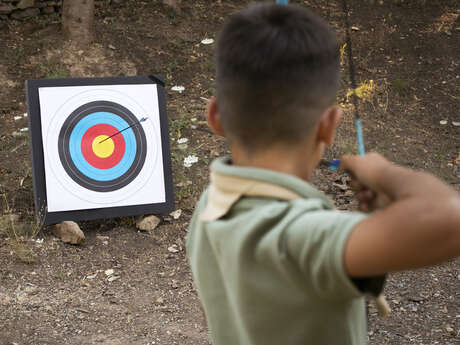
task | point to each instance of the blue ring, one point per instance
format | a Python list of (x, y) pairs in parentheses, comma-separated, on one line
[(80, 162)]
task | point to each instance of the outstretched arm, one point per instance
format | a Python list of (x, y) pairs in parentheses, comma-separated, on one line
[(419, 226)]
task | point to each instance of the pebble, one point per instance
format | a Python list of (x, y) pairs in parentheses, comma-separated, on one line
[(148, 223), (176, 214), (173, 248), (69, 232), (451, 331), (92, 276), (109, 272)]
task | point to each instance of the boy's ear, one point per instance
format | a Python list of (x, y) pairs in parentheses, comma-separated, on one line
[(212, 114), (328, 124)]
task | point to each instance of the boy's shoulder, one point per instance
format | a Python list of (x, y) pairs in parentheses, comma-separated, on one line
[(245, 195)]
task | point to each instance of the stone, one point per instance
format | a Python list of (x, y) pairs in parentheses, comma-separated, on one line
[(69, 232), (23, 4), (109, 272), (173, 249), (24, 14), (6, 9), (148, 223), (176, 214), (48, 10)]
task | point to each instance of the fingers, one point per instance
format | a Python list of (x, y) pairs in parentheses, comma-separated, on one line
[(367, 200)]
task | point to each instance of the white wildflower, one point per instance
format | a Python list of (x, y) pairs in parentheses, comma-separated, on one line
[(190, 160), (25, 129), (178, 88), (182, 140), (16, 118), (207, 41)]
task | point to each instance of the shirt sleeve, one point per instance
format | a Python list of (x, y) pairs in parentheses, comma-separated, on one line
[(315, 243)]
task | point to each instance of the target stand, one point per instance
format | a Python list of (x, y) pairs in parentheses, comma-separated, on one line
[(99, 147)]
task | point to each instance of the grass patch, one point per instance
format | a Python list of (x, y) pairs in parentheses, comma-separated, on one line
[(19, 234), (53, 72)]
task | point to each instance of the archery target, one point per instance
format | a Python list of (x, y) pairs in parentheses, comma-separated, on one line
[(93, 154), (97, 152)]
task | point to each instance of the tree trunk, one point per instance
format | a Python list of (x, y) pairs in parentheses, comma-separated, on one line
[(77, 20)]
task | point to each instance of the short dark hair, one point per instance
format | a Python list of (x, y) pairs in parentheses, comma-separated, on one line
[(277, 71)]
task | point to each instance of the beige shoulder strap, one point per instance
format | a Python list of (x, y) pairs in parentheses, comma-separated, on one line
[(226, 190)]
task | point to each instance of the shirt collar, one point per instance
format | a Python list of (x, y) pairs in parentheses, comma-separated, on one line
[(230, 182)]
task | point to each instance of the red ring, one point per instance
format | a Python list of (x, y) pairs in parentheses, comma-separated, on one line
[(87, 146)]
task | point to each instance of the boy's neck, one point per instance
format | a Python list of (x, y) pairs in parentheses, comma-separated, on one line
[(299, 161)]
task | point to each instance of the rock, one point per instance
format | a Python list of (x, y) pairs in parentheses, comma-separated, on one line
[(23, 4), (91, 276), (6, 9), (173, 249), (176, 214), (69, 232), (109, 272), (148, 223), (451, 331), (23, 14)]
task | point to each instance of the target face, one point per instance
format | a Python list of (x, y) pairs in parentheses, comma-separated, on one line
[(103, 147)]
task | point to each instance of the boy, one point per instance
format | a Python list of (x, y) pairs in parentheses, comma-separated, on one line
[(274, 263)]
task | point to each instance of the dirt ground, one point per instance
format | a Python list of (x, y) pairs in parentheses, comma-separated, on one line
[(408, 48)]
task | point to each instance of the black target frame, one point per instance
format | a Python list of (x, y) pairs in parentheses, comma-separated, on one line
[(37, 154)]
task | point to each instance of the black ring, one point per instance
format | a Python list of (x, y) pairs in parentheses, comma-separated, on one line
[(64, 151)]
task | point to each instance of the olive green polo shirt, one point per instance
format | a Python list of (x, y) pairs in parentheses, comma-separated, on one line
[(267, 255)]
